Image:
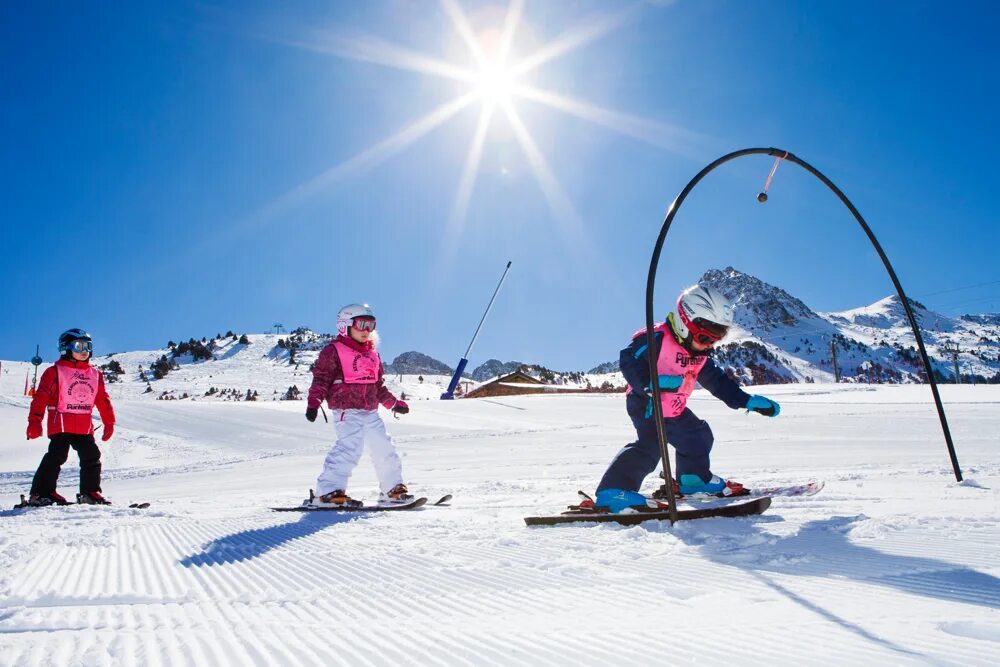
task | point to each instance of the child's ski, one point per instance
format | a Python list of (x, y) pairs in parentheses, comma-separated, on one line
[(25, 504), (444, 499), (810, 488), (305, 507), (582, 515)]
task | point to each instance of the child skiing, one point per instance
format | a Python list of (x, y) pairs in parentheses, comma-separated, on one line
[(69, 391), (348, 375), (702, 319)]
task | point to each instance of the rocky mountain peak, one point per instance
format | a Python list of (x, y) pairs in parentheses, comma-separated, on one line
[(757, 304), (417, 363)]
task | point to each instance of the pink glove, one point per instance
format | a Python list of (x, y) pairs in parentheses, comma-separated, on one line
[(34, 430), (401, 408), (109, 430)]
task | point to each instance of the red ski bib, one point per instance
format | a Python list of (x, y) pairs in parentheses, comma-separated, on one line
[(77, 389)]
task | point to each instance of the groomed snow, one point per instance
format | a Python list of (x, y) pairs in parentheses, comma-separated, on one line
[(893, 563)]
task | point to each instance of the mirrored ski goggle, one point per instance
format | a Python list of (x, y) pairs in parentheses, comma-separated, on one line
[(364, 323), (81, 346), (707, 333)]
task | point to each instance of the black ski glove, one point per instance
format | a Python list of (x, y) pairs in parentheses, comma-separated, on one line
[(311, 414)]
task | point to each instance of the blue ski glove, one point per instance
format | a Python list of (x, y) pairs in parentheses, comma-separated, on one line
[(764, 406)]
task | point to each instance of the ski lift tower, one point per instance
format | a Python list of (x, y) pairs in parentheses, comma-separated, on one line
[(36, 361), (450, 393)]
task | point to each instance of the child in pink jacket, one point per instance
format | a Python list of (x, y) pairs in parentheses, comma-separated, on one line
[(349, 376)]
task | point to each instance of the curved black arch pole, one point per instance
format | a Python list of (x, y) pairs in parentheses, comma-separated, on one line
[(654, 262)]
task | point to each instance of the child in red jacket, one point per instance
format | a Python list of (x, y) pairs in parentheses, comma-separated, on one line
[(69, 391)]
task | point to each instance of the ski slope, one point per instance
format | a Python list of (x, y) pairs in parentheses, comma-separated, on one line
[(893, 563)]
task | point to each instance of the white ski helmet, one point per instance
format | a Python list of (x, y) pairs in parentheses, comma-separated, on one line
[(345, 318), (703, 313)]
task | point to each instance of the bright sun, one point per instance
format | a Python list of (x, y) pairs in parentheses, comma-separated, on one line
[(496, 79), (494, 83)]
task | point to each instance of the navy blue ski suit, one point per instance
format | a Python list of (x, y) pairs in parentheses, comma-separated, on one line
[(691, 437)]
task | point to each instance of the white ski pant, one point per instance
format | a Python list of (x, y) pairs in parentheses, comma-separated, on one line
[(355, 429)]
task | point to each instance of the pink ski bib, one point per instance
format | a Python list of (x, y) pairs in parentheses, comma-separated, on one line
[(358, 367), (77, 389), (675, 360)]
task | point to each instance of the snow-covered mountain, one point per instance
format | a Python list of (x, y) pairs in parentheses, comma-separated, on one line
[(494, 367), (417, 363), (778, 339)]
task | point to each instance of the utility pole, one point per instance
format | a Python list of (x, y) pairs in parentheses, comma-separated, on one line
[(953, 349), (833, 353)]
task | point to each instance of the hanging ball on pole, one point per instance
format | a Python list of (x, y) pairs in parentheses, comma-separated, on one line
[(762, 197)]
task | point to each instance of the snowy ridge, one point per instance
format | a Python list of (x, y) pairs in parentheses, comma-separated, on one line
[(778, 339)]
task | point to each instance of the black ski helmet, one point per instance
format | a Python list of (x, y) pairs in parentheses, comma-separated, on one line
[(66, 338)]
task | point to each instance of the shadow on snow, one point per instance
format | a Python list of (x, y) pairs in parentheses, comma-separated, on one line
[(248, 544), (824, 549)]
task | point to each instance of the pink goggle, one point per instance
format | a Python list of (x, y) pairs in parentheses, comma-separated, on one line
[(364, 323)]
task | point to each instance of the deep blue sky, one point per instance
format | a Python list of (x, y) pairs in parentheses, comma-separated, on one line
[(149, 148)]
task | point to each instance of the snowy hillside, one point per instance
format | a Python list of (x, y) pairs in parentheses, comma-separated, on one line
[(263, 367), (893, 563), (779, 339)]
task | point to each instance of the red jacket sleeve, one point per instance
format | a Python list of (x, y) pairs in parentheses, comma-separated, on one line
[(44, 395), (325, 371), (103, 403), (385, 397)]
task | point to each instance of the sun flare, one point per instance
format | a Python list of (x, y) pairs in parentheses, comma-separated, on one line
[(496, 78), (494, 83)]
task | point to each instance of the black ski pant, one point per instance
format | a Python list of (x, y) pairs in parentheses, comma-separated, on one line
[(47, 474)]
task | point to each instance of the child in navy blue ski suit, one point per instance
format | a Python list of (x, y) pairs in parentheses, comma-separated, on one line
[(685, 340)]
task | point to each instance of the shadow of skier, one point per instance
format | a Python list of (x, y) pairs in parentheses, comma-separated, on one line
[(248, 544), (823, 548)]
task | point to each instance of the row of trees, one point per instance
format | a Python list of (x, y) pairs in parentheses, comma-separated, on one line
[(112, 371), (231, 394), (200, 350)]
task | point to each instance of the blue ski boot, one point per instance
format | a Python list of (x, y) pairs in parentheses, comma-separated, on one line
[(621, 501), (692, 485)]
